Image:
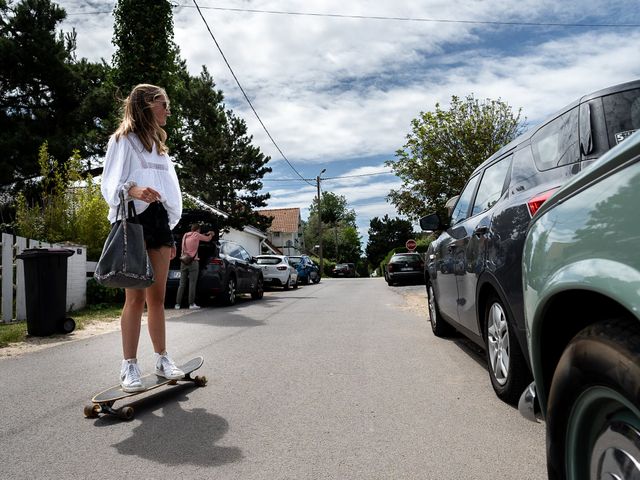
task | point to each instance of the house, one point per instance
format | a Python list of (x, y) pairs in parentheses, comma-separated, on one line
[(285, 232), (249, 237)]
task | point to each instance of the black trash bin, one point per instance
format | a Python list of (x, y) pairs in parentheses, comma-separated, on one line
[(45, 275)]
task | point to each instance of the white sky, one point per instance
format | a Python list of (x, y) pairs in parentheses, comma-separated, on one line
[(340, 93)]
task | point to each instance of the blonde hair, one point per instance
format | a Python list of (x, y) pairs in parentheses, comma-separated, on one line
[(138, 117)]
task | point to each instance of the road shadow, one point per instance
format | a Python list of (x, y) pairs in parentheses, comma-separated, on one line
[(170, 435)]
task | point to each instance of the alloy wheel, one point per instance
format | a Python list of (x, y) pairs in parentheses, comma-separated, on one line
[(498, 343), (432, 306)]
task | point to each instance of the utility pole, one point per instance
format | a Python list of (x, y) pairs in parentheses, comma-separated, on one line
[(320, 224)]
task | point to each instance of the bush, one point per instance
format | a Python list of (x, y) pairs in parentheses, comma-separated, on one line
[(99, 295)]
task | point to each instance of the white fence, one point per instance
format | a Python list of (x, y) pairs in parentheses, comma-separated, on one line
[(13, 284)]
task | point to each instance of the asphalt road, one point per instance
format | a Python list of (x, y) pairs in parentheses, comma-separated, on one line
[(340, 380)]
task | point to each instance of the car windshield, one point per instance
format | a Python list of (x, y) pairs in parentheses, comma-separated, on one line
[(268, 260)]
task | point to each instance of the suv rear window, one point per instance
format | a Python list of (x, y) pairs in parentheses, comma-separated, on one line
[(268, 260), (406, 258), (622, 114)]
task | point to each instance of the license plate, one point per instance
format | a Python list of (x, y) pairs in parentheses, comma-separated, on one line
[(174, 274), (406, 269)]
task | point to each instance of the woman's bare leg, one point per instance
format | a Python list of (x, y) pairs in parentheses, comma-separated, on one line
[(155, 297), (130, 321)]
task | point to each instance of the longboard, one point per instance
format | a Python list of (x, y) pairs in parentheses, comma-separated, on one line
[(102, 403)]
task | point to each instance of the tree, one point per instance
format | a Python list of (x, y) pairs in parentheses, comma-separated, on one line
[(220, 165), (385, 234), (146, 53), (444, 147), (71, 207), (340, 239), (46, 95), (145, 50), (218, 162)]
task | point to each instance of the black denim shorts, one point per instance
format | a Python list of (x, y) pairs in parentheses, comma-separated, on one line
[(155, 223)]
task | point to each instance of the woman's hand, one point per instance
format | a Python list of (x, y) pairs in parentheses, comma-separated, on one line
[(146, 194)]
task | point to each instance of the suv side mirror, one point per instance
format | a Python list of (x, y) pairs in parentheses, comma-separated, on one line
[(451, 204), (432, 223)]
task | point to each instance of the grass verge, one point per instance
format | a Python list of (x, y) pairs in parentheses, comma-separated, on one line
[(17, 332)]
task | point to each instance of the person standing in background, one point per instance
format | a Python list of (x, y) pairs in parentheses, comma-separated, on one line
[(190, 264)]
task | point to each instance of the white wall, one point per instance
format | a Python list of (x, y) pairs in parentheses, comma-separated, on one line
[(249, 241), (77, 277)]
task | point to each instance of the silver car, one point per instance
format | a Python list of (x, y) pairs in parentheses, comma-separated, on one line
[(277, 270)]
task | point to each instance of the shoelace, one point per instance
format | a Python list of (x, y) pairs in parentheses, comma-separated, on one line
[(132, 372), (167, 365)]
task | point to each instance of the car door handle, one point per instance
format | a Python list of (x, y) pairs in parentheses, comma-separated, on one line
[(481, 230)]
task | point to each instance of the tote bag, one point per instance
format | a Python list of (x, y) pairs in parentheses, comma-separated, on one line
[(124, 262)]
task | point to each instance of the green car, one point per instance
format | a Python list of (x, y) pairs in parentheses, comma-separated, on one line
[(581, 273)]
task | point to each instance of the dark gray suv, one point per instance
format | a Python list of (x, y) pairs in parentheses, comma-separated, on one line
[(473, 270)]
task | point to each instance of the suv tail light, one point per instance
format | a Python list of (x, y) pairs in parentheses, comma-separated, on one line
[(389, 267), (536, 202), (281, 267), (216, 261)]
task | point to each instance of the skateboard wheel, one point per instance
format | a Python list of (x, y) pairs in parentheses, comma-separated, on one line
[(91, 411), (173, 382), (201, 381), (126, 413)]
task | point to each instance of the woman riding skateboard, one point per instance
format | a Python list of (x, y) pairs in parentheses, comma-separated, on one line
[(138, 164)]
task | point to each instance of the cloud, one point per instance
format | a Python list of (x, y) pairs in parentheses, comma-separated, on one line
[(341, 92)]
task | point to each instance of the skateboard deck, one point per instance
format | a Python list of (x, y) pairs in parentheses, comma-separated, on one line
[(102, 403)]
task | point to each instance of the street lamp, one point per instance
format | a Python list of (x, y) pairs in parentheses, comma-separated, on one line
[(320, 223)]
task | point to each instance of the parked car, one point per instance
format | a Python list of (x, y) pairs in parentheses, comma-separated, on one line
[(226, 270), (404, 268), (344, 270), (473, 270), (307, 270), (582, 304), (276, 270)]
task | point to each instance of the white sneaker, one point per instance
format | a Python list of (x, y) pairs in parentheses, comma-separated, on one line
[(165, 367), (193, 306), (130, 376), (177, 307)]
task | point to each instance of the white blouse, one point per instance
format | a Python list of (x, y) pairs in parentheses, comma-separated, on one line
[(128, 163)]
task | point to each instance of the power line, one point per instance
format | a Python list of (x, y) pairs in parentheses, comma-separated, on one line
[(394, 19), (246, 97), (326, 178), (414, 19)]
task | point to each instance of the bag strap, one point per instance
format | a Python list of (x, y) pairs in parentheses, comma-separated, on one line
[(131, 208), (120, 213)]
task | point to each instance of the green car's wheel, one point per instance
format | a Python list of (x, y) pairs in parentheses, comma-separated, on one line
[(593, 413)]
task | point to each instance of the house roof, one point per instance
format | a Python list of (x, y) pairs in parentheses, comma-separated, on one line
[(284, 219)]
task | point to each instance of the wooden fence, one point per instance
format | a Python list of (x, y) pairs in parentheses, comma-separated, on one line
[(13, 300)]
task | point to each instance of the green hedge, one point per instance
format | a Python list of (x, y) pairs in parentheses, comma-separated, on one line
[(100, 295)]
